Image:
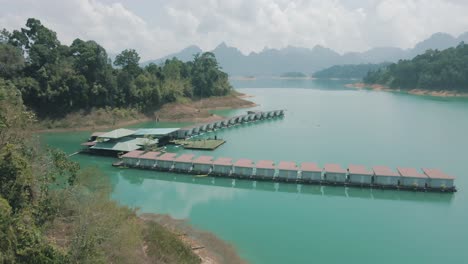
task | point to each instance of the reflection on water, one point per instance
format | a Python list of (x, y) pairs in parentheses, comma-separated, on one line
[(231, 185)]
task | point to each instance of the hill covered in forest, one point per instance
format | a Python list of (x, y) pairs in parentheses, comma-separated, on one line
[(55, 79), (348, 71), (434, 70)]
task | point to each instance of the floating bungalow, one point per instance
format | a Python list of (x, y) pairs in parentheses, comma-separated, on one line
[(243, 168), (334, 173), (385, 176), (311, 172), (222, 166), (132, 158), (265, 169), (410, 177), (438, 179), (359, 174), (166, 161), (379, 177), (202, 164), (148, 159), (287, 170), (184, 162)]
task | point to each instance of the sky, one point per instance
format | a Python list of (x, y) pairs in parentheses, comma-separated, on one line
[(156, 28)]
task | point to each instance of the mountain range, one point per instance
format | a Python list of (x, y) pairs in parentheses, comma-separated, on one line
[(274, 62)]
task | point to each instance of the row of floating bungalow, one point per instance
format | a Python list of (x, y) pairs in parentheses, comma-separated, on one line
[(286, 171), (251, 116), (124, 140)]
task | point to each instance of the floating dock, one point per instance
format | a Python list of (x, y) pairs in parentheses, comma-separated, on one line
[(379, 177), (199, 144), (251, 116)]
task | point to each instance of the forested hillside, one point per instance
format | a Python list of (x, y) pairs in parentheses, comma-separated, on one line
[(433, 70), (348, 71), (56, 79)]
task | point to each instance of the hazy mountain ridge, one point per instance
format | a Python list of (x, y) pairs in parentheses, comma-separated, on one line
[(308, 60)]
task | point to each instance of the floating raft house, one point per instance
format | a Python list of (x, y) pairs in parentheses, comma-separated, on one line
[(311, 171), (265, 169), (381, 177), (385, 176), (222, 166), (359, 174), (288, 170), (243, 168), (334, 173)]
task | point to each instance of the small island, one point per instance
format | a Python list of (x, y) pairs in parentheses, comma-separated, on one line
[(294, 75)]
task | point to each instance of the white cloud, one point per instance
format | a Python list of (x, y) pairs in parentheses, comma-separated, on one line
[(249, 25)]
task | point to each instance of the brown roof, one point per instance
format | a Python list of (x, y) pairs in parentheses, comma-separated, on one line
[(334, 168), (310, 166), (245, 163), (359, 169), (151, 155), (384, 171), (185, 158), (167, 157), (410, 172), (265, 164), (133, 154), (437, 174), (204, 160), (223, 162), (287, 165)]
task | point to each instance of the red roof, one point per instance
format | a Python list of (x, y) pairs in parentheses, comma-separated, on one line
[(334, 168), (359, 169), (310, 166), (204, 160), (151, 155), (133, 154), (167, 157), (384, 171), (223, 162), (245, 163), (185, 158), (410, 172), (265, 164), (437, 174), (287, 165)]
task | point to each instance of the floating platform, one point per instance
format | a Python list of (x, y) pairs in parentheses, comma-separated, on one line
[(251, 116), (199, 144), (380, 177)]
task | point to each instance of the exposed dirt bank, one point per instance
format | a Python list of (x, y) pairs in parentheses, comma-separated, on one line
[(379, 87), (106, 119), (207, 246)]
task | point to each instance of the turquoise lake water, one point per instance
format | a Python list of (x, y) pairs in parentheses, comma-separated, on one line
[(324, 123)]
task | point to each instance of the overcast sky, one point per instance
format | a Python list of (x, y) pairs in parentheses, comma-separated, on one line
[(158, 27)]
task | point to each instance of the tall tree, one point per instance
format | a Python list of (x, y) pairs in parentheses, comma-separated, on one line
[(128, 60)]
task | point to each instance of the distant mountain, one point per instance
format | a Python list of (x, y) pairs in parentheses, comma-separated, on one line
[(274, 62), (183, 55)]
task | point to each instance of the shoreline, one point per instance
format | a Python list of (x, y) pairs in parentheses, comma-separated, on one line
[(190, 112), (379, 87), (207, 246)]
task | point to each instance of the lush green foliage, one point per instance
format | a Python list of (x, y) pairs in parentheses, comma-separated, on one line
[(55, 79), (50, 212), (348, 71), (433, 70)]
